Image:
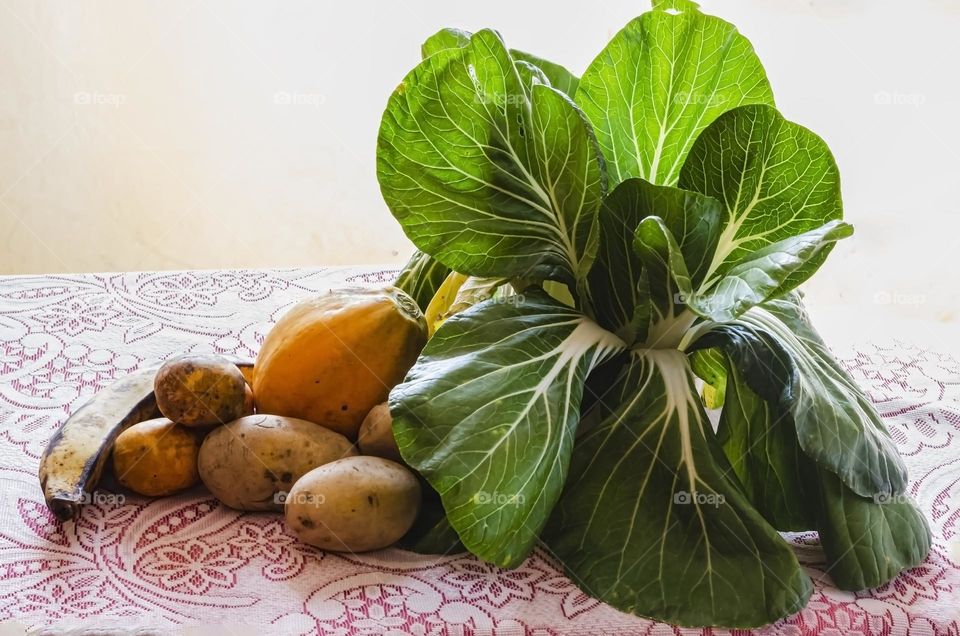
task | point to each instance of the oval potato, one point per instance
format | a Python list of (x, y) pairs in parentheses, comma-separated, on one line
[(376, 434), (156, 458), (354, 504), (247, 462), (200, 390)]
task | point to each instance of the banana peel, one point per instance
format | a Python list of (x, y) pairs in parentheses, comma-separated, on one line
[(72, 463)]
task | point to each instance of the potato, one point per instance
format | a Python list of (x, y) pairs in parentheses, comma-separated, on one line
[(247, 462), (354, 504), (376, 434), (200, 390), (156, 458)]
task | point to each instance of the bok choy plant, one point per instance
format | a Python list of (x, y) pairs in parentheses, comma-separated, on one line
[(602, 242)]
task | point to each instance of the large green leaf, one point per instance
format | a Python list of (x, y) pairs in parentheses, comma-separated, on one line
[(488, 415), (837, 425), (777, 181), (489, 170), (421, 277), (868, 541), (659, 82), (652, 520)]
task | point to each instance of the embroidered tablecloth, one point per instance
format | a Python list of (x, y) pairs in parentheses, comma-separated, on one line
[(185, 562)]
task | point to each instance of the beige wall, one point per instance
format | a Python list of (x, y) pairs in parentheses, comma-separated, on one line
[(148, 135)]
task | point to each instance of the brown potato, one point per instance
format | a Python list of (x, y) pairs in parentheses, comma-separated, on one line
[(376, 434), (156, 458), (354, 504), (249, 462), (200, 390)]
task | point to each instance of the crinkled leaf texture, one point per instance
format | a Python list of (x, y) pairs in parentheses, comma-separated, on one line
[(652, 519), (490, 170), (659, 82), (488, 415)]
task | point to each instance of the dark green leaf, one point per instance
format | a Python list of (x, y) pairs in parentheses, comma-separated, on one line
[(761, 444), (666, 271), (764, 273), (652, 520), (693, 219), (868, 541), (489, 412), (783, 359)]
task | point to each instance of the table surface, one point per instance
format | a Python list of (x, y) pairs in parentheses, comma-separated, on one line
[(188, 561)]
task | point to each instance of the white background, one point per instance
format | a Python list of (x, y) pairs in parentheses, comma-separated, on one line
[(148, 135)]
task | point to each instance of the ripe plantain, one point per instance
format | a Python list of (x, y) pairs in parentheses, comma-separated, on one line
[(71, 465)]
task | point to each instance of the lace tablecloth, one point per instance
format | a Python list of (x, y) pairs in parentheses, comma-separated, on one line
[(186, 561)]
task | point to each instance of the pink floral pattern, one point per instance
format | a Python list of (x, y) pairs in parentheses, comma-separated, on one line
[(188, 561)]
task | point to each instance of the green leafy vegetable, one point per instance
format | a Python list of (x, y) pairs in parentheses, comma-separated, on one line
[(777, 181), (868, 541), (836, 424), (659, 82), (499, 465), (488, 170), (557, 403), (653, 519)]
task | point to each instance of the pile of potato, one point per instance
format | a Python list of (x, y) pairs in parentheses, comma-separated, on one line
[(332, 496)]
